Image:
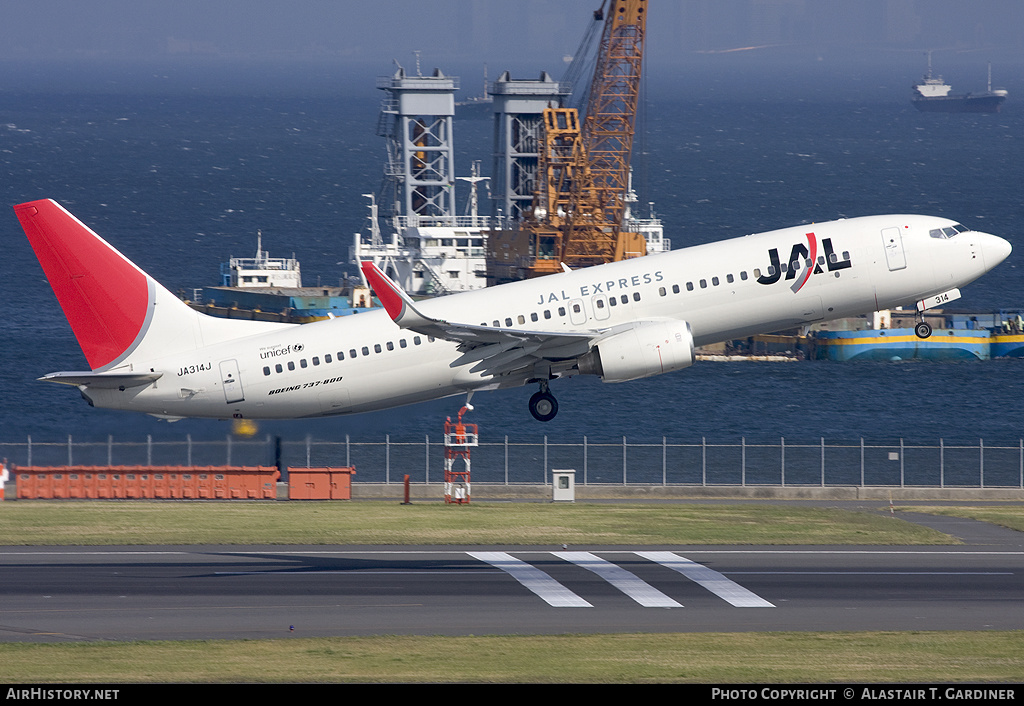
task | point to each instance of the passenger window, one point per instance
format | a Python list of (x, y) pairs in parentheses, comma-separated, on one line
[(689, 286), (714, 281), (547, 313), (703, 284), (624, 299), (600, 303), (352, 353), (390, 346), (636, 296), (291, 365), (402, 343), (533, 316), (561, 311), (576, 308), (366, 350), (522, 319), (508, 321), (316, 360), (302, 363), (662, 291), (675, 289), (266, 370), (328, 359), (376, 348), (416, 340), (729, 279), (613, 301), (743, 275), (278, 368)]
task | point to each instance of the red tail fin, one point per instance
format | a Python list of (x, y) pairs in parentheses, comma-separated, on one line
[(104, 296)]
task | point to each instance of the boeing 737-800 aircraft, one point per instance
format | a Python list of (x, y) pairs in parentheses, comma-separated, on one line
[(149, 352)]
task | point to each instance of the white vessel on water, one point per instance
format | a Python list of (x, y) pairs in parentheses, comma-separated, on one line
[(932, 95)]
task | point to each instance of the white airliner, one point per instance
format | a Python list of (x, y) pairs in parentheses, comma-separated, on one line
[(149, 352)]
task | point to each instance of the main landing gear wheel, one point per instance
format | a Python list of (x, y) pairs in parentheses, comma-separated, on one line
[(543, 406), (923, 329)]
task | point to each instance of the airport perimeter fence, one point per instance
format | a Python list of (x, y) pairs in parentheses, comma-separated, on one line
[(599, 463)]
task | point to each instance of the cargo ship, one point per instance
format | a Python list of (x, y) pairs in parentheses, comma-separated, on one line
[(932, 95)]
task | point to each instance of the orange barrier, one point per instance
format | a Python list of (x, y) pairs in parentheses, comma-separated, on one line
[(320, 483), (129, 482)]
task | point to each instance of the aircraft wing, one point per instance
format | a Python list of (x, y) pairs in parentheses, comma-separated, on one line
[(494, 350)]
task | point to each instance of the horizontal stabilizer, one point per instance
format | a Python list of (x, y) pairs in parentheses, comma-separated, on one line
[(103, 381)]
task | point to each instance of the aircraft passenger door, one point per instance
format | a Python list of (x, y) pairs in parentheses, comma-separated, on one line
[(601, 310), (892, 241), (577, 314), (231, 381)]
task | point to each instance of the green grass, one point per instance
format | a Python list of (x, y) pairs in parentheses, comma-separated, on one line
[(163, 522), (722, 658)]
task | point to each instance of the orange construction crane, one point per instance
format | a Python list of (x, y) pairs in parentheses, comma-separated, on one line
[(583, 170)]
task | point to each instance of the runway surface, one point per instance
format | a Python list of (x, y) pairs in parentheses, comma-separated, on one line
[(131, 593)]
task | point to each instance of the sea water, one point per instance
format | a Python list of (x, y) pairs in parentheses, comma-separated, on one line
[(180, 181)]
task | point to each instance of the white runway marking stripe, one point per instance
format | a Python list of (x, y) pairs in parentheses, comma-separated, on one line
[(709, 579), (547, 588), (627, 582)]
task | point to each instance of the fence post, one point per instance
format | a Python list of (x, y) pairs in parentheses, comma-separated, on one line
[(149, 450), (664, 461), (188, 450), (623, 460), (782, 451), (506, 459), (1020, 443), (743, 461), (229, 450), (981, 462), (348, 455), (703, 461), (584, 460), (29, 451), (69, 451), (426, 458), (309, 441), (110, 449), (942, 463), (862, 462), (387, 459), (545, 459), (823, 462), (901, 461)]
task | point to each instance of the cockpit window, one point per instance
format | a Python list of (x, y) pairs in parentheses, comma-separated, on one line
[(948, 231)]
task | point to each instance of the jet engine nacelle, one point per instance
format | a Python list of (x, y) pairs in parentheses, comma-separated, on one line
[(649, 348)]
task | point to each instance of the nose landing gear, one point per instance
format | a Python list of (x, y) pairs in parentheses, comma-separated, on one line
[(543, 405)]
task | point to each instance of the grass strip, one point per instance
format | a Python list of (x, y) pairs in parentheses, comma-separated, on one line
[(128, 522), (727, 658)]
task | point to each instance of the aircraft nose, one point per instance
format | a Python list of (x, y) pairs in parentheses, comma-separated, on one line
[(996, 250)]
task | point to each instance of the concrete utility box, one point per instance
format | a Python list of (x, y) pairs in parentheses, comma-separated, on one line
[(563, 486)]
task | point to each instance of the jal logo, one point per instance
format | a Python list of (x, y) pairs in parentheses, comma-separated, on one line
[(798, 267)]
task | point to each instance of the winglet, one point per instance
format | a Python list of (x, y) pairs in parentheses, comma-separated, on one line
[(396, 302)]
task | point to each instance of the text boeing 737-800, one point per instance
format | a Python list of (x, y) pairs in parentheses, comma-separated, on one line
[(149, 352)]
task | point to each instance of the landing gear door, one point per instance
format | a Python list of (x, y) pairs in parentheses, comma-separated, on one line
[(895, 257), (231, 381)]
